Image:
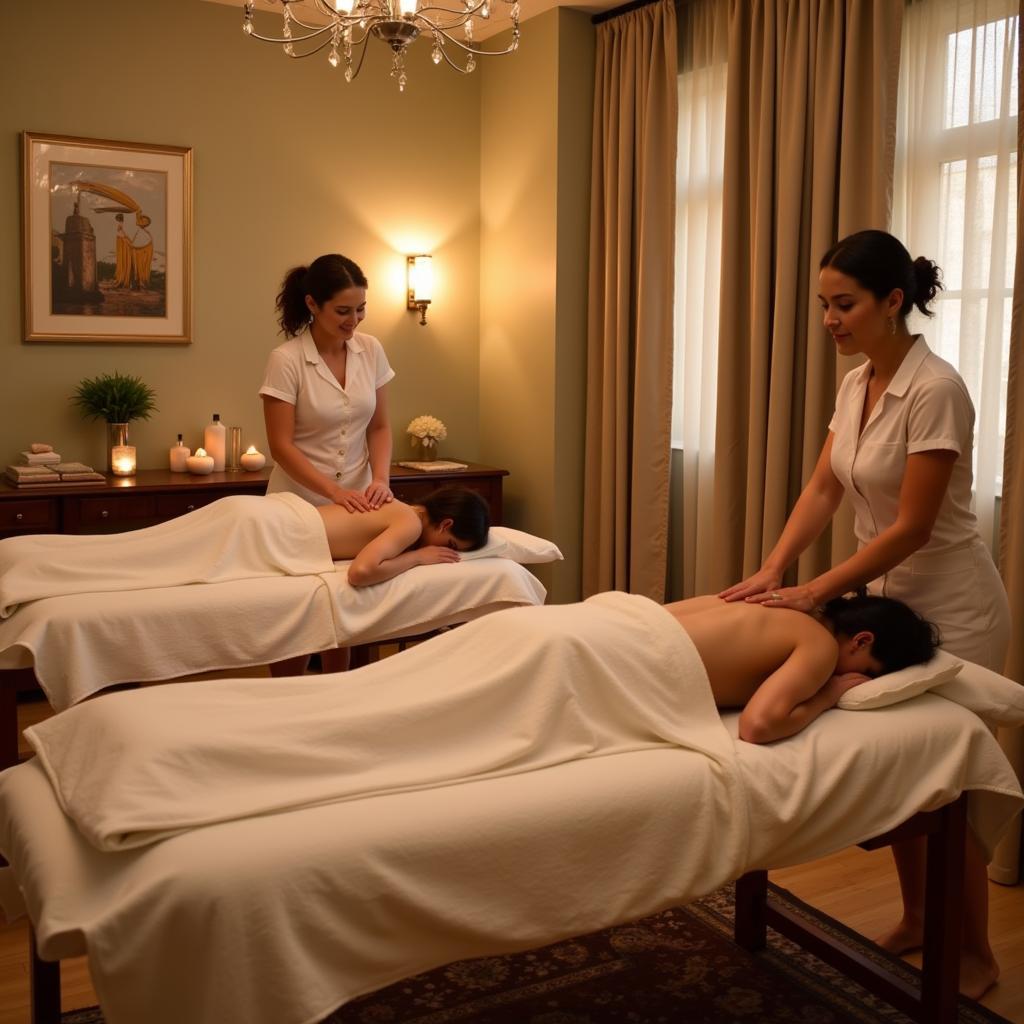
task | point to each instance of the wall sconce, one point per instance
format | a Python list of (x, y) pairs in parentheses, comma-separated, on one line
[(421, 284)]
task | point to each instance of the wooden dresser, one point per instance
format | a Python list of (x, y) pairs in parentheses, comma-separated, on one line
[(156, 495)]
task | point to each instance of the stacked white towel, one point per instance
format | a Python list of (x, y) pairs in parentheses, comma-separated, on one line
[(50, 458)]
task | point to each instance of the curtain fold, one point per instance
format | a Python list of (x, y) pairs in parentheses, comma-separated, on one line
[(809, 145), (703, 57), (629, 347), (1009, 861)]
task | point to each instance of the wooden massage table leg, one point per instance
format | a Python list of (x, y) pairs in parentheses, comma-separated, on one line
[(12, 682), (44, 981), (936, 1003)]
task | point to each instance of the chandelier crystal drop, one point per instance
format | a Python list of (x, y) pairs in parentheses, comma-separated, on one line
[(395, 22)]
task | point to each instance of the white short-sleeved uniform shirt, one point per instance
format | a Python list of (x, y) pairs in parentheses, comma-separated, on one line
[(330, 420), (951, 580), (926, 407)]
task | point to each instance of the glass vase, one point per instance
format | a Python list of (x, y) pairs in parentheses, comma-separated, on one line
[(427, 452), (117, 437)]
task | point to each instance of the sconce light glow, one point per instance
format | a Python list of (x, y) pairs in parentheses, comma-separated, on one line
[(421, 284)]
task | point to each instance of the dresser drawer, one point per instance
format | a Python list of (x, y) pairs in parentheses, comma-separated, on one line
[(170, 506), (39, 514), (125, 511)]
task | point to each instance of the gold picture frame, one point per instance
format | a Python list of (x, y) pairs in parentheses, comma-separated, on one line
[(106, 240)]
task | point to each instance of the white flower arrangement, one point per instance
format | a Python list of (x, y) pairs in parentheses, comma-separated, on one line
[(427, 430)]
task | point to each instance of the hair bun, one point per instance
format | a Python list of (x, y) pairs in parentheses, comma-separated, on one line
[(927, 283)]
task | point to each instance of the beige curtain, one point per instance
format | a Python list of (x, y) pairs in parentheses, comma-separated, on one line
[(1008, 863), (629, 360), (810, 137)]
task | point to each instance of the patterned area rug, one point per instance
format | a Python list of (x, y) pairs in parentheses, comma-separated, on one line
[(677, 966)]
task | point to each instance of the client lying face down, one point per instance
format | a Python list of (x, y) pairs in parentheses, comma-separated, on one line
[(784, 668), (395, 537)]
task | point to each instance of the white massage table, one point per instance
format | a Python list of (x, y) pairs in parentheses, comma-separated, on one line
[(74, 646), (281, 918)]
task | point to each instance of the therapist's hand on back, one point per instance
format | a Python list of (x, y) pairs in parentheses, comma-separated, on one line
[(761, 581), (378, 493), (351, 501)]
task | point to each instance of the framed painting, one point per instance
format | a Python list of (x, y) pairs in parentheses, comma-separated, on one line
[(106, 240)]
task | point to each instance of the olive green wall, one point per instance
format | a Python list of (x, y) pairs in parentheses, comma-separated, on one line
[(535, 188), (289, 162), (489, 172)]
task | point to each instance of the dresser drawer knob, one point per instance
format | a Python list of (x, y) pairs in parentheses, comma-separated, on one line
[(190, 508), (20, 516), (104, 514)]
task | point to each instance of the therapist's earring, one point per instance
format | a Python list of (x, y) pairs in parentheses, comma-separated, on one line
[(892, 326)]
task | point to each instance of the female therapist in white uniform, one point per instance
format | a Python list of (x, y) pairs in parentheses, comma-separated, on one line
[(900, 447), (324, 392)]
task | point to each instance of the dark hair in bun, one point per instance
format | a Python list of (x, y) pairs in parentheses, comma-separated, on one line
[(880, 263), (324, 277)]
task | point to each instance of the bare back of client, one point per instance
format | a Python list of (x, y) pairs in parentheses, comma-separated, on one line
[(741, 645), (782, 667), (349, 532)]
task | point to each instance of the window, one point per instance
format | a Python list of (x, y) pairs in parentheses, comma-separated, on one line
[(955, 199)]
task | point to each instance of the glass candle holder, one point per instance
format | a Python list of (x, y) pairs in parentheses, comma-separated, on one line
[(122, 460), (234, 448)]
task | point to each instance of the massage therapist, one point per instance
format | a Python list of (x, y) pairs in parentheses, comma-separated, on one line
[(325, 391)]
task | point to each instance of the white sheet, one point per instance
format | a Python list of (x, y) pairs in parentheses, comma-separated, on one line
[(282, 918), (508, 694), (240, 537), (80, 644)]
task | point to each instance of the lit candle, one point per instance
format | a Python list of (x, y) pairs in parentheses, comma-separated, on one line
[(252, 460), (200, 463), (122, 460)]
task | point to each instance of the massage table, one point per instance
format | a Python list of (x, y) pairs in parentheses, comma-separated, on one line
[(280, 918), (76, 645)]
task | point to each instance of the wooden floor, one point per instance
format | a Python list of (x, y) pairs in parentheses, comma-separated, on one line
[(856, 887)]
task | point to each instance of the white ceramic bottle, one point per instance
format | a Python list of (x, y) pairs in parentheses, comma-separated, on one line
[(178, 454), (215, 442)]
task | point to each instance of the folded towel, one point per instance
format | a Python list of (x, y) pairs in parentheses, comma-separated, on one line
[(70, 477), (72, 467), (30, 472), (434, 467), (41, 459), (37, 449)]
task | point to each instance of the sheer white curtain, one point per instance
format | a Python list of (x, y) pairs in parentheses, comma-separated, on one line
[(703, 34), (955, 199)]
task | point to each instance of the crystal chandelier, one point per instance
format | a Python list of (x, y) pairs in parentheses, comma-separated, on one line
[(343, 27)]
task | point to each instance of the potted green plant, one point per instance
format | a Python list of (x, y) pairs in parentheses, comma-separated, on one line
[(116, 398)]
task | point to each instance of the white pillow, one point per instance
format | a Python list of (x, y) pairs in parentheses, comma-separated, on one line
[(902, 685), (524, 548), (992, 697)]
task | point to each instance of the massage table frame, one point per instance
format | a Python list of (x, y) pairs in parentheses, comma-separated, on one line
[(936, 1003)]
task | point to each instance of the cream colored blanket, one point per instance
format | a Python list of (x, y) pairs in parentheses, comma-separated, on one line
[(236, 538), (510, 693)]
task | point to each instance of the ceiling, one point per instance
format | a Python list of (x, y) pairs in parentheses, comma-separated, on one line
[(528, 9)]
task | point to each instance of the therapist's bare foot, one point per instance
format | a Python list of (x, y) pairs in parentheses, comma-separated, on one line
[(906, 937), (977, 974)]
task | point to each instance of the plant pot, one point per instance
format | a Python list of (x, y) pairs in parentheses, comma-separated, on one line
[(117, 435)]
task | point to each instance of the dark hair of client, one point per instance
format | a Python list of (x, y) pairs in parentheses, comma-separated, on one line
[(881, 263), (324, 277), (470, 516), (902, 637)]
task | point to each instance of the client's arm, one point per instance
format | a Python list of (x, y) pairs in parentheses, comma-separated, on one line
[(799, 690), (388, 554)]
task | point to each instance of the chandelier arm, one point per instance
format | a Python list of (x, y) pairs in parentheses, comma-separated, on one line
[(362, 55), (294, 39), (470, 49)]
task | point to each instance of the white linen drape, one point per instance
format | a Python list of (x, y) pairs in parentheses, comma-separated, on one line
[(703, 31), (955, 199)]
